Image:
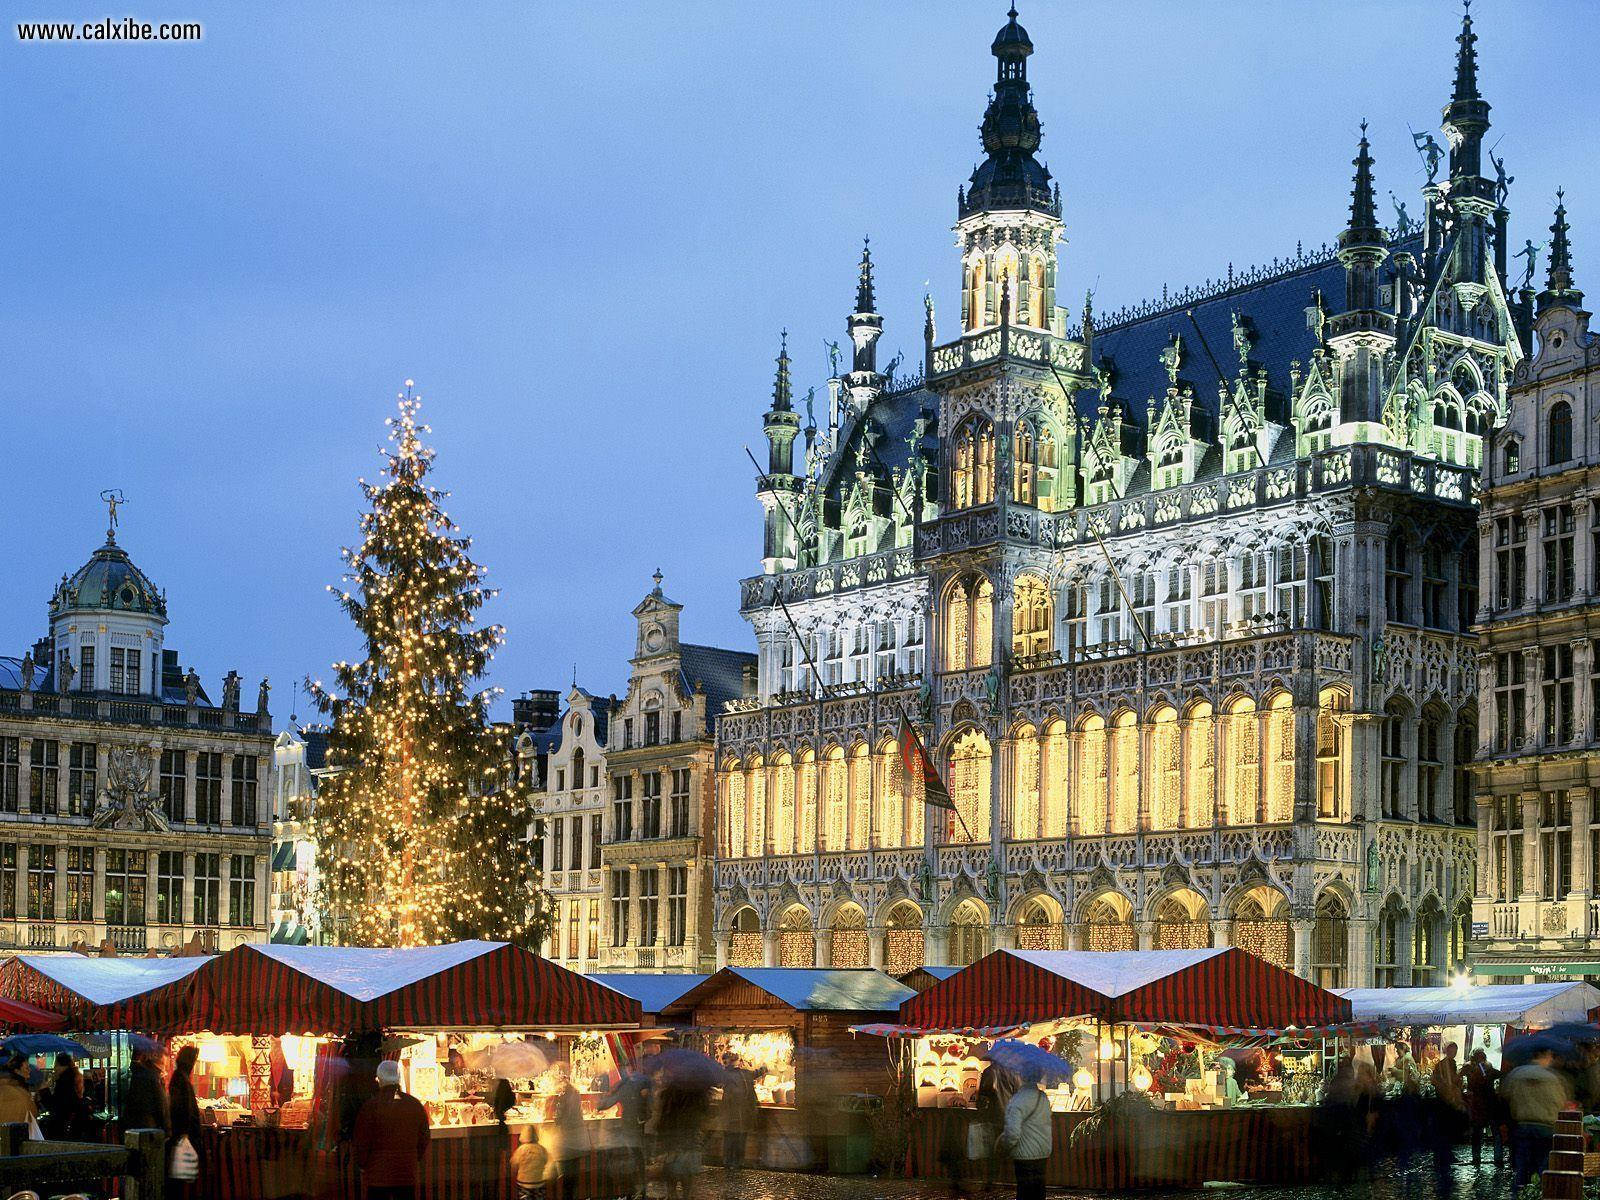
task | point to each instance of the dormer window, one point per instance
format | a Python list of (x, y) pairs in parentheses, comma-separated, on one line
[(1558, 445), (1511, 457)]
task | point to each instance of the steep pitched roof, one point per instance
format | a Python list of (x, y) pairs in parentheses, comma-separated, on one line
[(720, 672)]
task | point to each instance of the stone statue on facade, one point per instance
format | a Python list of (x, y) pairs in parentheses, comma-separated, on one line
[(833, 357), (1241, 341), (894, 365), (811, 407), (1317, 316), (991, 690), (993, 882), (1530, 251), (230, 691), (27, 672), (67, 676), (1431, 152), (925, 882), (191, 687), (1372, 866), (925, 701), (127, 801), (1402, 219), (1502, 181), (1172, 358), (261, 696)]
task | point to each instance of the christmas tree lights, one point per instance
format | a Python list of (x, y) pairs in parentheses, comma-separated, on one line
[(420, 824)]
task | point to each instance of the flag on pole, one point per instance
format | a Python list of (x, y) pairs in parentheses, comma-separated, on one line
[(920, 769)]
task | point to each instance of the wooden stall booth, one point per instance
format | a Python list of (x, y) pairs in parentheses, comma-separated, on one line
[(288, 1040), (1181, 1071), (791, 1027), (654, 990)]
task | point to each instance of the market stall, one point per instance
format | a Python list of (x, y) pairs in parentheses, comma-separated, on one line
[(654, 990), (1187, 1065), (790, 1026), (1473, 1016), (288, 1039)]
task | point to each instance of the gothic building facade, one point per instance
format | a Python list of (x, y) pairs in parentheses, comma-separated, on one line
[(134, 811), (1177, 597), (1537, 910)]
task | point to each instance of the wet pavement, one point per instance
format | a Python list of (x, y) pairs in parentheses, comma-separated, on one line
[(1389, 1181)]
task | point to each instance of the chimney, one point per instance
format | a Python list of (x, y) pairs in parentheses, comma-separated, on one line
[(748, 679), (537, 708)]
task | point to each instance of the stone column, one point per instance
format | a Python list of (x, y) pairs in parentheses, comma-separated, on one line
[(769, 948), (189, 784), (1582, 888), (1360, 950), (1531, 858), (1300, 927), (99, 882), (1485, 865), (1582, 667), (258, 914), (25, 775), (876, 949), (186, 901), (228, 759), (1144, 933), (1222, 932), (635, 908), (722, 948), (824, 956)]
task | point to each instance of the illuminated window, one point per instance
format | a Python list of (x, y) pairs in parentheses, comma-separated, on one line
[(806, 801), (783, 823), (1181, 923), (1200, 766), (756, 803), (1106, 925), (1243, 759), (972, 470), (1022, 465), (1092, 777), (797, 942), (1034, 310), (969, 788), (744, 943), (903, 947), (1032, 617), (1053, 767), (1166, 766), (1280, 759), (733, 810), (976, 299), (1038, 928), (850, 937), (968, 623), (1025, 784), (834, 801), (895, 809), (1125, 773), (860, 814), (1330, 943), (1330, 755), (1261, 927)]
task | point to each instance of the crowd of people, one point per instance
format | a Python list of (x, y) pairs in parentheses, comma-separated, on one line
[(1402, 1108)]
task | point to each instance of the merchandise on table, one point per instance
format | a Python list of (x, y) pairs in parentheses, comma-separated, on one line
[(769, 1054), (455, 1074), (252, 1080)]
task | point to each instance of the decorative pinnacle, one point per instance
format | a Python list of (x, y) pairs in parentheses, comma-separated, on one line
[(1466, 58), (865, 300), (1558, 287), (657, 578), (1364, 228), (782, 393)]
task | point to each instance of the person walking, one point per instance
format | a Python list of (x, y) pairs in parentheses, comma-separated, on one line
[(1483, 1105), (66, 1112), (16, 1101), (631, 1098), (1535, 1096), (996, 1087), (739, 1110), (1026, 1134), (528, 1162), (1449, 1108), (391, 1138), (184, 1111), (680, 1121), (145, 1105), (569, 1133)]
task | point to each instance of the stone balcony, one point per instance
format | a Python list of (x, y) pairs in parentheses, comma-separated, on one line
[(114, 708)]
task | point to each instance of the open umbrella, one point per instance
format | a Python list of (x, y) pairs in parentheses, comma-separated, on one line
[(687, 1068), (1520, 1050), (1024, 1058), (517, 1060), (1573, 1031), (32, 1044)]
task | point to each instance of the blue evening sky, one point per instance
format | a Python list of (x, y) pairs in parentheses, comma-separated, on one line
[(580, 227)]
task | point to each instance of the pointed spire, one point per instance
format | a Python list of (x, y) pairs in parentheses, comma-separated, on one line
[(1466, 59), (782, 392), (1363, 229), (1558, 287), (865, 300), (1010, 177)]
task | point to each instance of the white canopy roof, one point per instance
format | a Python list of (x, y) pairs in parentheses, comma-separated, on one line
[(367, 972), (1538, 1004), (108, 980), (1115, 973)]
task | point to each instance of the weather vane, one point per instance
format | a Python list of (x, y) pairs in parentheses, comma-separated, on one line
[(114, 500)]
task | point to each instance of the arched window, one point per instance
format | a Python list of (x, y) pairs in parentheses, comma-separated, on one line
[(1261, 926), (734, 808), (1559, 442), (756, 804), (977, 278), (806, 802), (1430, 766), (899, 814), (744, 941), (1046, 486), (1181, 923), (1025, 784), (1032, 617), (836, 813), (1280, 759), (1242, 776), (1200, 768), (1092, 781), (1107, 924), (860, 796), (1330, 942), (1511, 457), (1386, 944), (1461, 788), (1038, 927), (1166, 770), (1392, 763), (972, 470), (1053, 766), (1022, 464), (1428, 944), (969, 788), (968, 623), (902, 939), (577, 760), (783, 818), (969, 933), (849, 937), (1125, 773), (1331, 754), (797, 941)]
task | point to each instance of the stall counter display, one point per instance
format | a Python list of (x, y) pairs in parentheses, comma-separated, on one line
[(769, 1053), (252, 1080), (455, 1075)]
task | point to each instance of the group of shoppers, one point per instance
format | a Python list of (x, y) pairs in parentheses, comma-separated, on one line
[(1011, 1122)]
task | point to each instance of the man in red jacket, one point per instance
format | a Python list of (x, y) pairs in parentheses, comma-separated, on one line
[(391, 1136)]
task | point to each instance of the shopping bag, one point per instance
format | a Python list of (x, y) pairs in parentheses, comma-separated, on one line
[(185, 1162), (35, 1134), (980, 1140)]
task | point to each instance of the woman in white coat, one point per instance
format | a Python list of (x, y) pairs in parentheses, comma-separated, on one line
[(1027, 1135)]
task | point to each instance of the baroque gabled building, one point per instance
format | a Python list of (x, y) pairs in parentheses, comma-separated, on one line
[(1537, 911), (134, 810), (1180, 597)]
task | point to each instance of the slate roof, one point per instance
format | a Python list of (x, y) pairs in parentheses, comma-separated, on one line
[(720, 671), (806, 989), (316, 739), (1276, 310), (600, 711)]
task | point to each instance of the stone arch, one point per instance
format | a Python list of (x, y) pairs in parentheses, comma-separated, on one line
[(744, 937), (1330, 937), (1180, 919), (847, 928), (1038, 922), (1260, 916), (968, 931), (797, 937), (1105, 921), (904, 942), (1429, 942), (968, 754)]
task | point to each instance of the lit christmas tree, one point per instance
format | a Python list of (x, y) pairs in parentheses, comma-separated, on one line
[(420, 827)]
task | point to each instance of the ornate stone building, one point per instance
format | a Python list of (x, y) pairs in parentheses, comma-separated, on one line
[(1537, 911), (1178, 597), (132, 809), (570, 816), (658, 847), (299, 757)]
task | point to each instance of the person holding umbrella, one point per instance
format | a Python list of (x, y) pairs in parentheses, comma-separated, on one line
[(1535, 1094), (1027, 1134), (1483, 1105)]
